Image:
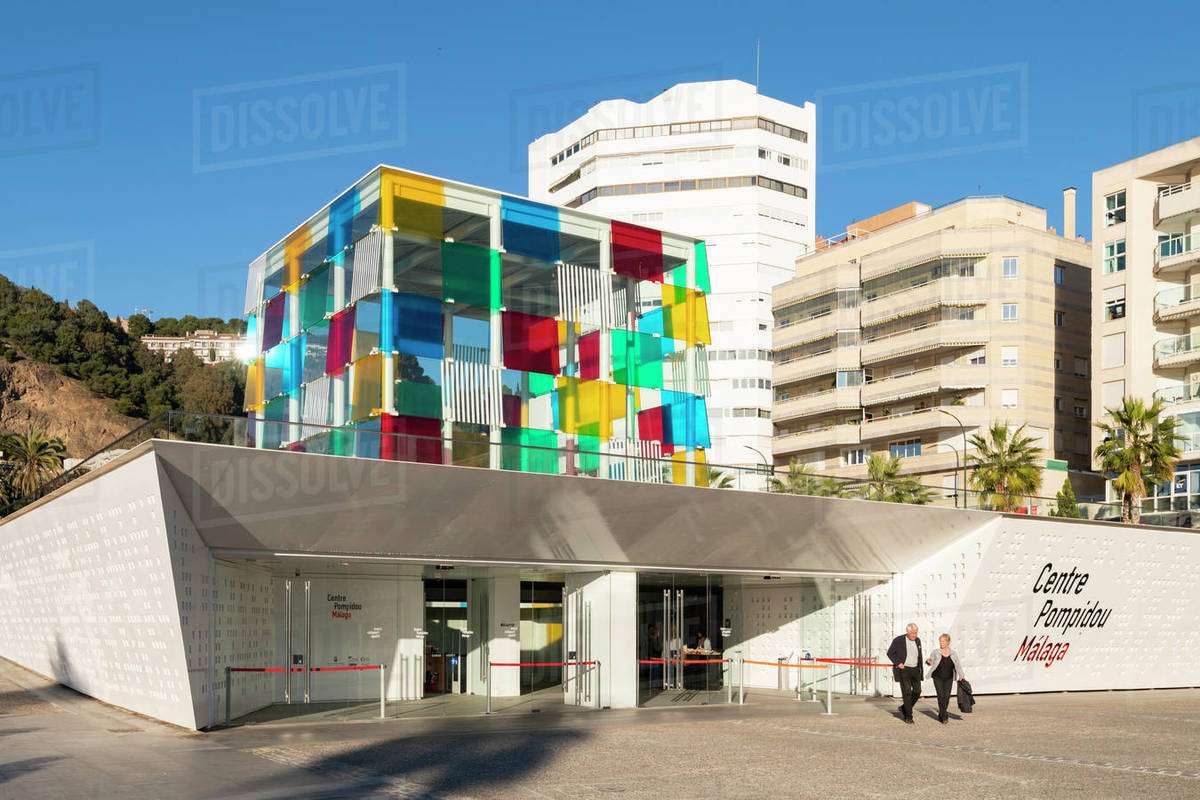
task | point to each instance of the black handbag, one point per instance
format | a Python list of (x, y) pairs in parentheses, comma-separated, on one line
[(966, 697)]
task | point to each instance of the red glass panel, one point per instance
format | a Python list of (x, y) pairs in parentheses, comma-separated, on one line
[(637, 252), (417, 439), (341, 339), (589, 356), (530, 343)]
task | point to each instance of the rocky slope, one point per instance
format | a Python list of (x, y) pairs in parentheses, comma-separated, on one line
[(36, 394)]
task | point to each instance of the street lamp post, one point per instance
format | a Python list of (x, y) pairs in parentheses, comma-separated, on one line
[(955, 449), (766, 465), (962, 428)]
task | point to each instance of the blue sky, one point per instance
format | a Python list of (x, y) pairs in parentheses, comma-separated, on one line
[(114, 187)]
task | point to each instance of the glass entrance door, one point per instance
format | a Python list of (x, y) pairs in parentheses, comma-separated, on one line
[(681, 637)]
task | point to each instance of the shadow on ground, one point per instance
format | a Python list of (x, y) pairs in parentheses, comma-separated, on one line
[(477, 763), (15, 769)]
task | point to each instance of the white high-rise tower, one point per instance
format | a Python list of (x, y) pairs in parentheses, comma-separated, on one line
[(716, 161)]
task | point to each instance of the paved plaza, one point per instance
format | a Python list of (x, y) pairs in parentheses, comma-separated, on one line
[(57, 743)]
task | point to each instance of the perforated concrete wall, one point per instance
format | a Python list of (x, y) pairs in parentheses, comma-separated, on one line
[(87, 594), (1041, 605)]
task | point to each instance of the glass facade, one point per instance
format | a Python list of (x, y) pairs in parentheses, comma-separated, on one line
[(417, 319)]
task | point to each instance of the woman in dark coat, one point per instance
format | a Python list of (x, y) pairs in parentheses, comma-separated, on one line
[(946, 670)]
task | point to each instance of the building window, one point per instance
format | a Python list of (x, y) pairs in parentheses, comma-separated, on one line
[(1008, 356), (1114, 256), (1114, 303), (1058, 276), (1114, 208), (978, 358), (1008, 398), (1060, 319), (1008, 312), (854, 457), (905, 449), (1112, 393), (1112, 350), (1058, 404), (1081, 367), (849, 378), (1058, 362), (1009, 268), (1080, 408)]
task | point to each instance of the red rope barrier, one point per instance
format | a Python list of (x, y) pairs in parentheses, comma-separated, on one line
[(266, 669), (685, 661), (849, 662), (541, 663), (339, 669)]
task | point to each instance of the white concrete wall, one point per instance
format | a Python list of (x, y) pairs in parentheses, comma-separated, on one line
[(87, 596), (601, 624), (981, 591)]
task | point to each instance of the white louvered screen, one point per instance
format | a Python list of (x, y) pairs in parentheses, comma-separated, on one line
[(635, 461), (365, 266), (471, 387), (316, 402), (582, 296), (254, 283)]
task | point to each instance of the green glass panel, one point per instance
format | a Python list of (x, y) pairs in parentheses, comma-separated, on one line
[(529, 450), (703, 281), (637, 359), (589, 453), (314, 298), (540, 384), (418, 399), (470, 275)]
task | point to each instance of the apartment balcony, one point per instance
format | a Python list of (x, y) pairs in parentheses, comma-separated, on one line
[(942, 292), (825, 363), (926, 338), (1178, 395), (815, 284), (916, 466), (1175, 256), (818, 403), (1177, 203), (1176, 351), (816, 327), (925, 419), (924, 382), (790, 444), (1178, 302)]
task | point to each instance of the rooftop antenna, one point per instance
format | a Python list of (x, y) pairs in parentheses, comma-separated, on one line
[(757, 53)]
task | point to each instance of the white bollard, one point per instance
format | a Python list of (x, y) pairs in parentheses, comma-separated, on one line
[(382, 692)]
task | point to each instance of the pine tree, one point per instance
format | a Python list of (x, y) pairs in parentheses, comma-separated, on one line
[(1064, 503)]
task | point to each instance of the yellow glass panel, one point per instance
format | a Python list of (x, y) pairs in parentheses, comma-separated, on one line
[(254, 384), (685, 315), (367, 397), (588, 408), (294, 248), (411, 203), (679, 467)]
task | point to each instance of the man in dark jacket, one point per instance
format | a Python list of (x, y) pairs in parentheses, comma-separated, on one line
[(906, 657)]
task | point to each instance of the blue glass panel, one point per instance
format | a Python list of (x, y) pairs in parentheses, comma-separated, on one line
[(529, 228), (685, 420), (341, 222), (651, 322), (417, 325)]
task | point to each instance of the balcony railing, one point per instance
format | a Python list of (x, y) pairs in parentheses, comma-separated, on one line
[(929, 294), (1172, 395), (1176, 296), (1176, 253), (1177, 348), (1176, 200), (950, 333)]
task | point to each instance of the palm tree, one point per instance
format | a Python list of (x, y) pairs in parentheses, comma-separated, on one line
[(1138, 446), (885, 485), (719, 480), (33, 458), (1005, 466), (797, 480)]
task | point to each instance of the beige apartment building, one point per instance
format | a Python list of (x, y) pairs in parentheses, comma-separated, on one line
[(920, 319), (1146, 301)]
